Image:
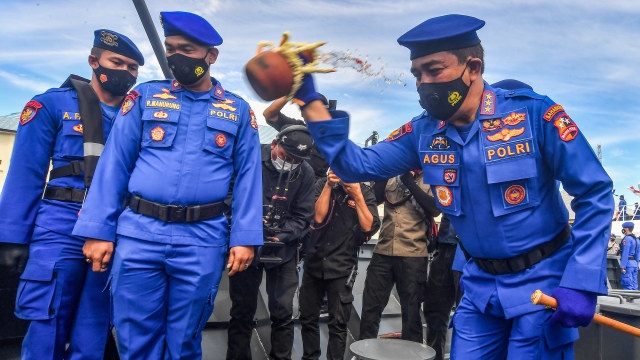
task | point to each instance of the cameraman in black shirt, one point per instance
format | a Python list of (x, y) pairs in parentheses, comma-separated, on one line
[(346, 215), (287, 187)]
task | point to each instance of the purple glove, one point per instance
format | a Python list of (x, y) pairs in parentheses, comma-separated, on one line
[(575, 307), (307, 92)]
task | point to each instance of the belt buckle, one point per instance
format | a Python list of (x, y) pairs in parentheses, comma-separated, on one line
[(177, 211)]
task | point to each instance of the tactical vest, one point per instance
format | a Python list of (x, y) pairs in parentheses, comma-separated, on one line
[(403, 231), (93, 136)]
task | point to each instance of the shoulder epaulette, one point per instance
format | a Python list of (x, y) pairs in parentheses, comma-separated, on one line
[(523, 92)]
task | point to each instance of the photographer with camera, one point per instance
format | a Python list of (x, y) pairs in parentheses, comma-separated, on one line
[(287, 187), (346, 216)]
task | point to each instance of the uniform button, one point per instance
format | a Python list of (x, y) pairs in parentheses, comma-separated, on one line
[(322, 130), (324, 258), (52, 311), (55, 274), (511, 93)]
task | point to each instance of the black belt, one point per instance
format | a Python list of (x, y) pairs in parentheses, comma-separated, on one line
[(73, 169), (632, 258), (524, 261), (176, 213), (65, 194)]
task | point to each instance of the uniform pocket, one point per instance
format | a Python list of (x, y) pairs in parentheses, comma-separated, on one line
[(512, 185), (72, 136), (344, 312), (159, 128), (37, 298), (207, 309), (219, 137)]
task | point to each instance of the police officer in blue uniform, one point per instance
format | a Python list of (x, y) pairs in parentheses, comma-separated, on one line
[(629, 257), (58, 291), (177, 147), (494, 158), (622, 209)]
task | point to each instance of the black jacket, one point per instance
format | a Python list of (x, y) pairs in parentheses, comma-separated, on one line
[(317, 162), (333, 249), (298, 206)]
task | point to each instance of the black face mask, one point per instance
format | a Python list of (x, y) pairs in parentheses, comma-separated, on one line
[(443, 99), (117, 82), (187, 70)]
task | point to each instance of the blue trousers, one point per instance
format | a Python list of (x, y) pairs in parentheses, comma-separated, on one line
[(163, 296), (64, 299), (630, 278), (489, 335)]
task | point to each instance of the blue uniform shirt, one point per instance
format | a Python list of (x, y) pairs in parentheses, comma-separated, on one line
[(50, 130), (181, 148), (629, 250), (499, 187)]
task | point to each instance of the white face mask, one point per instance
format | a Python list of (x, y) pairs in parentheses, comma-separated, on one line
[(282, 165)]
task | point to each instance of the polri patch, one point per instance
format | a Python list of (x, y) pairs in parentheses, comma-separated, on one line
[(175, 85), (444, 195), (567, 129), (221, 140), (157, 133), (399, 132), (515, 194), (29, 112), (552, 111)]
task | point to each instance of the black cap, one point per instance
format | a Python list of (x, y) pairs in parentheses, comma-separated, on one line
[(296, 140)]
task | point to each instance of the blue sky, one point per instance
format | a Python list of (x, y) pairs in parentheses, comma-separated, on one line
[(581, 53)]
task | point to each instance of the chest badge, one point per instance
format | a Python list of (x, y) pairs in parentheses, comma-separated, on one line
[(444, 196), (351, 203), (157, 134), (491, 125), (440, 143), (515, 194), (221, 140), (78, 128), (450, 176), (515, 118), (164, 95), (506, 134), (160, 115)]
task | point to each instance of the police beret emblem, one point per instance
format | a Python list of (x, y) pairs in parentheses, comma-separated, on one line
[(515, 194), (109, 39), (29, 112), (221, 140)]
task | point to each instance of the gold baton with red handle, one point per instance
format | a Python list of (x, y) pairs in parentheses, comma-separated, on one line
[(539, 298)]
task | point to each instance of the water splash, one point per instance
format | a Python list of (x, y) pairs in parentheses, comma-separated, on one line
[(369, 71)]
